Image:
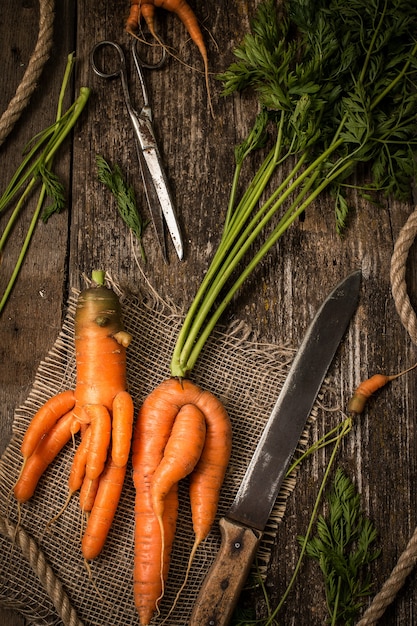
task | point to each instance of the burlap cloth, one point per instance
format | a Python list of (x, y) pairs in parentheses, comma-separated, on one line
[(246, 375)]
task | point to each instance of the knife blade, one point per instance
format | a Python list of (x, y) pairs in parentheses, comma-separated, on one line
[(243, 525)]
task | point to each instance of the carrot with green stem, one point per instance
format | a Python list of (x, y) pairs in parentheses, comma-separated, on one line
[(146, 9), (370, 386), (99, 405)]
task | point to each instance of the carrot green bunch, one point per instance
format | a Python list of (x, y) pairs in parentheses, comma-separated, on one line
[(336, 87), (36, 171)]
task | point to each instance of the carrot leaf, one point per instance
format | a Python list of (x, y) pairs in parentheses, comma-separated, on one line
[(343, 548), (125, 198)]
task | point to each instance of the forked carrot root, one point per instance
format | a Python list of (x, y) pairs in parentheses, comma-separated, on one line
[(368, 387), (181, 430), (100, 407), (146, 9)]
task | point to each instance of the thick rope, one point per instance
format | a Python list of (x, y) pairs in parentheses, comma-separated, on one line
[(33, 71), (392, 585), (43, 570), (408, 558), (398, 269)]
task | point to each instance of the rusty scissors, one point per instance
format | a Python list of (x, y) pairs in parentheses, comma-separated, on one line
[(155, 182)]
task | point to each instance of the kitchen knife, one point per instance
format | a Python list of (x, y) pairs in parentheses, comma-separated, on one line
[(243, 526)]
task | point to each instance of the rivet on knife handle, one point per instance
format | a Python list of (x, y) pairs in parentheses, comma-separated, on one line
[(221, 588)]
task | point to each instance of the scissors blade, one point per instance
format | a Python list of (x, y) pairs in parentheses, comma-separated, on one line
[(160, 183), (154, 205)]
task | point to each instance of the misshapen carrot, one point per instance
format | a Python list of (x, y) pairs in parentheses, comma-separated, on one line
[(208, 476), (77, 473), (100, 427), (147, 584), (178, 460), (100, 353), (122, 427), (146, 9), (155, 425)]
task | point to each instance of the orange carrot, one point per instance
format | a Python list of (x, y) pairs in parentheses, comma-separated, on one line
[(103, 510), (157, 422), (45, 419), (178, 460), (208, 476), (122, 426), (100, 426), (368, 387), (147, 584), (153, 426), (100, 352), (77, 473), (146, 9), (88, 494), (45, 452)]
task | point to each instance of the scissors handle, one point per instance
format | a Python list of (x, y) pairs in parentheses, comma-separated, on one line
[(121, 67), (140, 61)]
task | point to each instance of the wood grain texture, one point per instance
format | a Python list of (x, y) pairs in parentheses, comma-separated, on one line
[(279, 299)]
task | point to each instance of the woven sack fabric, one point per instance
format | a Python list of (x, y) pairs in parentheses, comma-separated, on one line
[(246, 375)]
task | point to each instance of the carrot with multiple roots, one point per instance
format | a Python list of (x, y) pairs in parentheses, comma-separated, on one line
[(181, 430), (99, 406), (146, 9), (370, 386)]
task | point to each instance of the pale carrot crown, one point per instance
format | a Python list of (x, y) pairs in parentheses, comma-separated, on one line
[(98, 311)]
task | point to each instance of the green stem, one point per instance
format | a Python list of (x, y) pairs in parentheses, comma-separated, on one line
[(251, 197), (336, 604), (346, 427), (23, 250), (371, 45), (195, 342), (234, 222), (187, 352), (46, 157), (19, 178), (16, 182), (396, 80), (12, 219), (55, 135), (98, 277)]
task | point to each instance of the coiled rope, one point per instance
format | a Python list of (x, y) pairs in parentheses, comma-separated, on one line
[(42, 569), (33, 71), (408, 558)]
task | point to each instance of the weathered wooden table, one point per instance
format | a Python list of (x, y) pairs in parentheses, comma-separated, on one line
[(278, 301)]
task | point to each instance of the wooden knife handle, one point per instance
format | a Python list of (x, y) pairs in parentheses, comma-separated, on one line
[(224, 581)]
